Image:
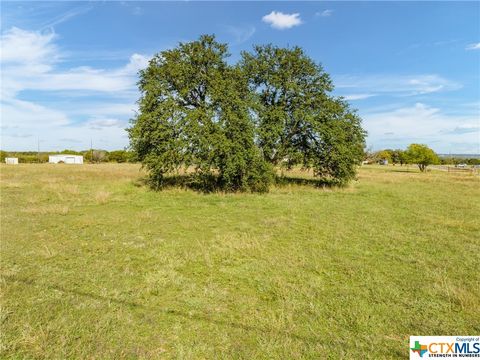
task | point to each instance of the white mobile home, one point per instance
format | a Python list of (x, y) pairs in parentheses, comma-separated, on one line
[(11, 161), (65, 159)]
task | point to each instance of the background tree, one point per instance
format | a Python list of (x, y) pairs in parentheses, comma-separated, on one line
[(194, 112), (385, 155), (96, 156), (394, 157), (119, 156), (3, 155), (297, 121), (70, 152), (398, 157), (421, 155), (370, 156)]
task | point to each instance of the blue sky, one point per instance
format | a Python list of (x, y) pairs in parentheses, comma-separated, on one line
[(412, 69)]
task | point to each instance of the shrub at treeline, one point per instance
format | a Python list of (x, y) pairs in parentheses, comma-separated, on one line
[(235, 123), (119, 156)]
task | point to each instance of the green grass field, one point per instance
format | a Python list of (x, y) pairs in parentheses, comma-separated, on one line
[(96, 266)]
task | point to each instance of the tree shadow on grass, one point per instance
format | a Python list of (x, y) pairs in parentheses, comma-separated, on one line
[(405, 170), (166, 311), (314, 182), (205, 184), (211, 183)]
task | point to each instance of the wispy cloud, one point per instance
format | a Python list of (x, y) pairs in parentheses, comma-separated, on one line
[(32, 60), (133, 7), (29, 63), (66, 16), (137, 10), (43, 15), (28, 47), (463, 129), (474, 46), (422, 123), (68, 140), (358, 96), (241, 33), (324, 13), (19, 114), (400, 85), (22, 135), (102, 122), (281, 21)]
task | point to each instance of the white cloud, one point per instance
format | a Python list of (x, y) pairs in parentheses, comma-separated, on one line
[(102, 122), (137, 62), (28, 47), (106, 133), (358, 96), (279, 20), (406, 85), (27, 115), (18, 78), (474, 46), (30, 61), (111, 108), (424, 124), (324, 13)]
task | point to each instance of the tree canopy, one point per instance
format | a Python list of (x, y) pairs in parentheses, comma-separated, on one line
[(233, 123), (396, 156), (421, 155), (297, 121)]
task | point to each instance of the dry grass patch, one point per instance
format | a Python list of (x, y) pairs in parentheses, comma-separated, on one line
[(53, 209), (102, 197), (233, 242)]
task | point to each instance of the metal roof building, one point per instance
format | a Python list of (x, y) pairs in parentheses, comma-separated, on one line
[(11, 161), (65, 159)]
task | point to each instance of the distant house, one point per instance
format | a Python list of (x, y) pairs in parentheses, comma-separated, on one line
[(65, 159), (11, 161)]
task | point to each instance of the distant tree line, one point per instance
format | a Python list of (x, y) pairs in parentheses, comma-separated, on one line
[(452, 160), (93, 156), (418, 154)]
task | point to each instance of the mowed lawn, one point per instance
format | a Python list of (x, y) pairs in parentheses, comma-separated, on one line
[(96, 266)]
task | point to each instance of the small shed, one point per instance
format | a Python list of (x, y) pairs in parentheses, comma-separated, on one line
[(65, 159), (11, 161)]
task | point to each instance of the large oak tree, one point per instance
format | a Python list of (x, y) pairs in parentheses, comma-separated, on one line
[(233, 123)]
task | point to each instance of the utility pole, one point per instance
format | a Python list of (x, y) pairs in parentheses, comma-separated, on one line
[(38, 150), (91, 150)]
